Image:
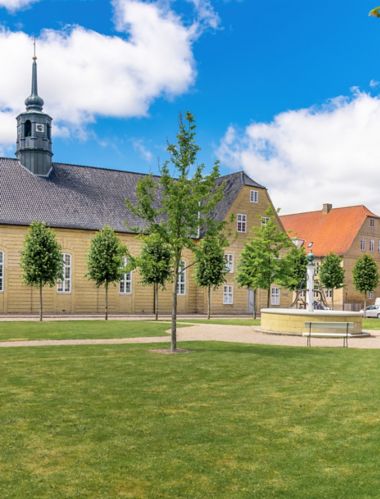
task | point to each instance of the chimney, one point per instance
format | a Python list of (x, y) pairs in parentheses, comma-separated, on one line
[(327, 207)]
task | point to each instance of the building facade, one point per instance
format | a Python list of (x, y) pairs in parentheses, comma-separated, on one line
[(349, 232), (76, 201)]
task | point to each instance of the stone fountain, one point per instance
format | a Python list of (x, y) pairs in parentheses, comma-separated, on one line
[(292, 321)]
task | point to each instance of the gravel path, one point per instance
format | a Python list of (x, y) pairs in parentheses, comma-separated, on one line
[(210, 332)]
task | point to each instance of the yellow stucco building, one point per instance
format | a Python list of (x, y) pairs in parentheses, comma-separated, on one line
[(76, 201)]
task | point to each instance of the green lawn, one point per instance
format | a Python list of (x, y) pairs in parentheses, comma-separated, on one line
[(31, 330), (225, 421)]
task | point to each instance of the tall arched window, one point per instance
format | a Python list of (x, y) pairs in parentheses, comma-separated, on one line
[(28, 128), (64, 284), (1, 271)]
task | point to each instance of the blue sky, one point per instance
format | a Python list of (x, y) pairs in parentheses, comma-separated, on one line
[(251, 63)]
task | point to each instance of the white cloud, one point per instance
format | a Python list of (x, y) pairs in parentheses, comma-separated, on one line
[(13, 5), (313, 156), (142, 150), (84, 74)]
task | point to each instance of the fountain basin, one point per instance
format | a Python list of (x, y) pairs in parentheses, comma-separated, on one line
[(292, 321)]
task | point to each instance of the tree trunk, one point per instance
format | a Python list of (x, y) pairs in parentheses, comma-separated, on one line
[(268, 297), (365, 305), (254, 313), (41, 304), (332, 299), (106, 310), (156, 300), (208, 302), (174, 305)]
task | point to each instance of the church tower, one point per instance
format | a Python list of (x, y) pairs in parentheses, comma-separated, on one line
[(34, 147)]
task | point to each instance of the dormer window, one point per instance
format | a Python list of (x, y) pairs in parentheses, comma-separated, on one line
[(28, 128)]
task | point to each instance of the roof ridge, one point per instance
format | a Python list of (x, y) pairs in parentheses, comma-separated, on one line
[(332, 209)]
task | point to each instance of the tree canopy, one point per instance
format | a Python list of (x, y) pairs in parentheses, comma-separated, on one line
[(41, 258), (105, 260)]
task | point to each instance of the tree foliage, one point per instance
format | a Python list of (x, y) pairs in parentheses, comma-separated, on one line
[(295, 263), (154, 264), (331, 274), (105, 260), (187, 200), (210, 266), (41, 258), (366, 276), (261, 264)]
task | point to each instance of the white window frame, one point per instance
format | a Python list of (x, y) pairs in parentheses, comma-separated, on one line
[(229, 258), (64, 285), (370, 295), (275, 296), (264, 220), (254, 196), (372, 222), (181, 281), (228, 294), (241, 223), (362, 244), (2, 271), (126, 281), (371, 245), (328, 293)]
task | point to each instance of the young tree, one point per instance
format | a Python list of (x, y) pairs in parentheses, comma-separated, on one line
[(41, 259), (295, 263), (105, 260), (366, 276), (187, 200), (210, 265), (260, 262), (154, 264), (331, 274)]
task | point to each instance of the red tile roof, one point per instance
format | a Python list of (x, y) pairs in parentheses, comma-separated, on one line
[(332, 232)]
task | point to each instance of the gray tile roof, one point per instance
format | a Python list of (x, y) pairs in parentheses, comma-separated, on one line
[(82, 197)]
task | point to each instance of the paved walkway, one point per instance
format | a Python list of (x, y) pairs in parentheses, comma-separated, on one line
[(211, 332)]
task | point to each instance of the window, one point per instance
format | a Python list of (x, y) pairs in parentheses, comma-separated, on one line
[(229, 262), (372, 245), (228, 295), (370, 295), (241, 223), (126, 280), (264, 220), (64, 284), (28, 128), (378, 247), (254, 197), (328, 293), (275, 296), (1, 271), (362, 244), (181, 283), (372, 222)]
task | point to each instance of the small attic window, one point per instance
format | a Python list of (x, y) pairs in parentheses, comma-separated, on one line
[(27, 128), (372, 222)]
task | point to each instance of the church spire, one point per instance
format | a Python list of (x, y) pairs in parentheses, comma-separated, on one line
[(34, 146), (34, 101)]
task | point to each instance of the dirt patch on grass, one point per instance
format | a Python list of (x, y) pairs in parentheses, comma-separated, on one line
[(167, 351)]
